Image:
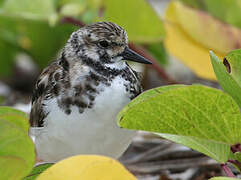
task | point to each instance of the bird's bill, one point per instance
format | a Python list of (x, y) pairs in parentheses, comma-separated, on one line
[(130, 55)]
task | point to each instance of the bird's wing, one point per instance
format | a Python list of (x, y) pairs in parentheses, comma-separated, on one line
[(44, 88)]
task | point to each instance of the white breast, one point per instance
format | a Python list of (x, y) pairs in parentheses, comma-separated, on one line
[(93, 132)]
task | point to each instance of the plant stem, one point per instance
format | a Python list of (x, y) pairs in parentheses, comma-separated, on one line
[(227, 170), (73, 21)]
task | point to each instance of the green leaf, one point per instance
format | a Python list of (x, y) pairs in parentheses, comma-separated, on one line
[(226, 10), (85, 10), (194, 3), (150, 94), (36, 38), (12, 168), (218, 151), (15, 146), (37, 170), (195, 114), (234, 61), (72, 9), (41, 41), (145, 27), (28, 9), (237, 156), (15, 116), (223, 178), (7, 55), (226, 80)]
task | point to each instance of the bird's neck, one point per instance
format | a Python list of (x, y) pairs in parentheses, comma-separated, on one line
[(105, 69)]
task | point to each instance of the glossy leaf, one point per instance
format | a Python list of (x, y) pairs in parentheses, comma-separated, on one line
[(191, 115), (225, 79), (144, 27), (89, 167)]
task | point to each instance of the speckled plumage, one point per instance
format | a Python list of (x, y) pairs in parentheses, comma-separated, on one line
[(82, 91)]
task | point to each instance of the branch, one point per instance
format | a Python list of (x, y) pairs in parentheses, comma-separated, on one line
[(71, 20), (227, 170)]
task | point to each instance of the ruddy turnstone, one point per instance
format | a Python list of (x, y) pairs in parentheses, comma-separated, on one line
[(77, 97)]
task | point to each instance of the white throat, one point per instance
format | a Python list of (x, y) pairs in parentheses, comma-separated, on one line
[(118, 63)]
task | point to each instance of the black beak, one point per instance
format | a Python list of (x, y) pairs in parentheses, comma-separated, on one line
[(130, 55)]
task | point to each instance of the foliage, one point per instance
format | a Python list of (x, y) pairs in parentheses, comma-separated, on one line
[(191, 115), (17, 150), (230, 82), (17, 156), (89, 167), (37, 170), (202, 33), (35, 27), (225, 10), (146, 27), (202, 118)]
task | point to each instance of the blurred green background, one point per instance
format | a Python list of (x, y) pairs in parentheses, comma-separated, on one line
[(175, 34)]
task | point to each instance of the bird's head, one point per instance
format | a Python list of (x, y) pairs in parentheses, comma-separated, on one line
[(102, 41)]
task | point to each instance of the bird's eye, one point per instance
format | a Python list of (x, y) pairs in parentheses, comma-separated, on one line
[(104, 44)]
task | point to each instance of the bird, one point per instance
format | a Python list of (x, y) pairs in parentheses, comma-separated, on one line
[(77, 97)]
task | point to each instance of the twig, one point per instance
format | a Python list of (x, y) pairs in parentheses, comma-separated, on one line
[(155, 65), (73, 21), (227, 170)]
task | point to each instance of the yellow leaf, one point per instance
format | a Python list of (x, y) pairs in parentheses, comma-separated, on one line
[(89, 167), (192, 33)]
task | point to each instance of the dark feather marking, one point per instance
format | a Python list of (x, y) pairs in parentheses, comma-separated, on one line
[(57, 81)]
